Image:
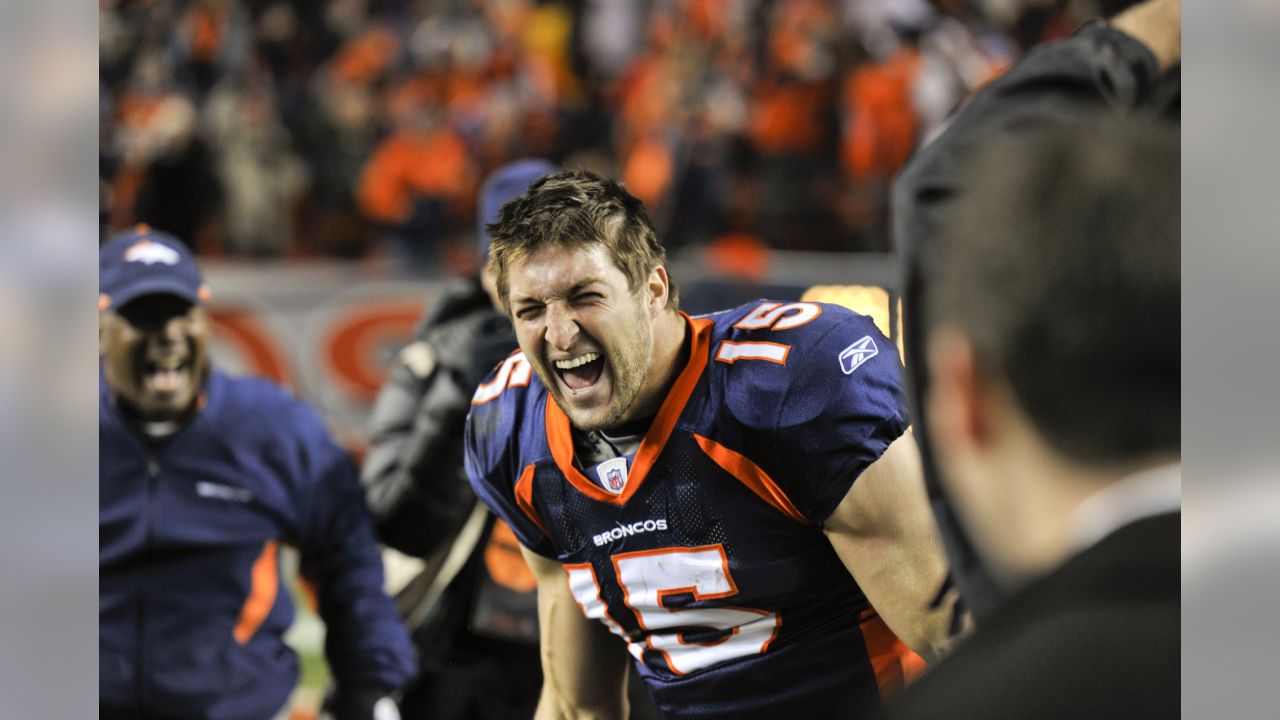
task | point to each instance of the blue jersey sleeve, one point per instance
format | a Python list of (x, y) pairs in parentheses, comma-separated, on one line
[(493, 460), (817, 420)]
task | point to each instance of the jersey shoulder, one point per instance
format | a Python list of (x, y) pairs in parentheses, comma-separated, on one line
[(811, 393), (505, 436), (778, 362), (506, 425)]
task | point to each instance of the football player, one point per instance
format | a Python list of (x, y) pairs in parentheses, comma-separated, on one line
[(733, 500)]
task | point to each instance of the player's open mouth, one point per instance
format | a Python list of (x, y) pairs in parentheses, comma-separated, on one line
[(166, 374), (581, 372)]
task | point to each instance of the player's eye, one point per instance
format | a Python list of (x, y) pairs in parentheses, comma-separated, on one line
[(528, 312), (587, 297)]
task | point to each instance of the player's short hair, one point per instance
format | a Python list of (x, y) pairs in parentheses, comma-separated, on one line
[(1060, 261), (577, 208)]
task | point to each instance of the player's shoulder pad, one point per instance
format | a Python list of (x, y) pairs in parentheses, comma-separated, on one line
[(503, 408), (780, 363)]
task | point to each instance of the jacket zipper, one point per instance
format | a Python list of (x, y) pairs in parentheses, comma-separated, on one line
[(153, 474)]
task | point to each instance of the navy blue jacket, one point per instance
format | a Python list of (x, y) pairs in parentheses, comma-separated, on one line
[(191, 608)]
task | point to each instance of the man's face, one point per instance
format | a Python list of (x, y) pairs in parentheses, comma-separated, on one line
[(981, 444), (586, 334), (154, 355)]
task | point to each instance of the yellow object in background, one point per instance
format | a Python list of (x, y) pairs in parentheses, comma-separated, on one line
[(870, 300)]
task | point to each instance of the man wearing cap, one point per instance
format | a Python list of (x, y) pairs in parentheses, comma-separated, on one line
[(473, 610), (201, 478)]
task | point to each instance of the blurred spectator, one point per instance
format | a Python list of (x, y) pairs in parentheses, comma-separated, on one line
[(164, 172), (419, 180), (210, 40), (476, 624), (262, 178), (395, 109)]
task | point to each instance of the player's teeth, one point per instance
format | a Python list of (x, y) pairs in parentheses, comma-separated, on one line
[(576, 362)]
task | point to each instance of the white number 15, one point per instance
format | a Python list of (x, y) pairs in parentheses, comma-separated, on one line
[(648, 577)]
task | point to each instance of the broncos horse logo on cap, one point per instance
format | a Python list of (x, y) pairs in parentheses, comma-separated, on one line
[(151, 252)]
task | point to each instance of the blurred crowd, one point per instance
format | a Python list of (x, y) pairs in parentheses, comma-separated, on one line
[(355, 128)]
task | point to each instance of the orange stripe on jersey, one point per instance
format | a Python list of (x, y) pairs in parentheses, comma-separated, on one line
[(561, 441), (524, 498), (265, 582), (750, 474), (894, 663)]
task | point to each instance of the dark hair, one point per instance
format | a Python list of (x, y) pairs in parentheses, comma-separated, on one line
[(1060, 260), (576, 208)]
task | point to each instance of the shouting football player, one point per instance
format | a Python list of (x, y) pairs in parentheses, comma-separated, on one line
[(732, 499)]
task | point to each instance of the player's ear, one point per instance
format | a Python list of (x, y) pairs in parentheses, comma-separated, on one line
[(102, 332), (659, 288), (958, 403)]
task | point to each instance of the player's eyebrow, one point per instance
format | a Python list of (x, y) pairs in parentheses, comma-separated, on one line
[(570, 292)]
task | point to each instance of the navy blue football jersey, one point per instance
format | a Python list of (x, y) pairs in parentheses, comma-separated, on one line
[(704, 548)]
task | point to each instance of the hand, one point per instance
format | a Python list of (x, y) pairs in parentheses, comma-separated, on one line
[(1156, 24), (360, 703)]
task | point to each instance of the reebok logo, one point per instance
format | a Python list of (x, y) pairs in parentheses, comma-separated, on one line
[(635, 528), (150, 253), (852, 357)]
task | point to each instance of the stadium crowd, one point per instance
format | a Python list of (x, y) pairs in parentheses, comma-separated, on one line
[(351, 128)]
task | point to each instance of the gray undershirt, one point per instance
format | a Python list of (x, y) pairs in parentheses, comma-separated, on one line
[(596, 446)]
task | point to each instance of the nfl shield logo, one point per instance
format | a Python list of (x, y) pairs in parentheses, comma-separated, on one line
[(613, 474)]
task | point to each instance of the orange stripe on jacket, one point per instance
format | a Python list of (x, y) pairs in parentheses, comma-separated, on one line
[(750, 474), (524, 497), (894, 663), (262, 594)]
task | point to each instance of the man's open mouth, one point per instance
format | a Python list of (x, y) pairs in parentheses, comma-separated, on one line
[(581, 372), (166, 374)]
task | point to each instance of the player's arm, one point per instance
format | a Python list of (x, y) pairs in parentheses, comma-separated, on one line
[(885, 533), (584, 666)]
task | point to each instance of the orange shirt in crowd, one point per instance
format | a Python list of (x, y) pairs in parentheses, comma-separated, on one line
[(881, 121), (409, 165)]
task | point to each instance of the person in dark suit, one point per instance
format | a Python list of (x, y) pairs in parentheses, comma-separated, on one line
[(1041, 235)]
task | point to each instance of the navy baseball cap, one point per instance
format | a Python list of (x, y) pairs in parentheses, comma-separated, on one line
[(502, 185), (144, 261)]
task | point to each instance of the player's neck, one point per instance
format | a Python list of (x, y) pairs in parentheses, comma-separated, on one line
[(670, 349), (154, 430), (671, 341)]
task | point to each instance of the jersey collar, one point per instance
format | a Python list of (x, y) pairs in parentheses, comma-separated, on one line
[(561, 441)]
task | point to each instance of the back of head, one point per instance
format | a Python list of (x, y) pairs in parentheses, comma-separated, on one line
[(576, 208), (1061, 263)]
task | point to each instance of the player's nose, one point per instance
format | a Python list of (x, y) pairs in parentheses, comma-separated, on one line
[(562, 329), (169, 330)]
